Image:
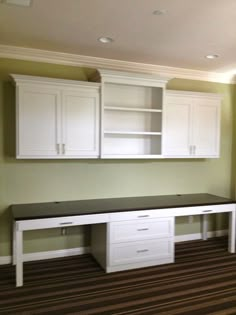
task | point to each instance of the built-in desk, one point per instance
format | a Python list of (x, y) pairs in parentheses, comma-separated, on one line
[(128, 232)]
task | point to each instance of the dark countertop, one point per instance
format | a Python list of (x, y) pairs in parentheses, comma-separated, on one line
[(95, 206)]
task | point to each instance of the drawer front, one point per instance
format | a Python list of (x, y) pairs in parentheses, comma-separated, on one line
[(134, 252), (125, 231), (136, 215), (203, 210), (38, 224)]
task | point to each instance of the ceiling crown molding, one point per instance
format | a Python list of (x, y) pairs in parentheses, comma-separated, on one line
[(31, 54)]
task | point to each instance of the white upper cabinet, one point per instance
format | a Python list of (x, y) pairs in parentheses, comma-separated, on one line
[(131, 109), (136, 118), (56, 118), (191, 124)]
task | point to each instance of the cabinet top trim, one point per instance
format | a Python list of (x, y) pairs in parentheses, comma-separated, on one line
[(193, 94), (105, 75), (28, 79)]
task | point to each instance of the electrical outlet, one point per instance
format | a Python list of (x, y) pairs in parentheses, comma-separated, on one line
[(63, 231)]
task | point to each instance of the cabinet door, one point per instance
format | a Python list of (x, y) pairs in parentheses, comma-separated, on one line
[(177, 126), (205, 127), (80, 114), (38, 111)]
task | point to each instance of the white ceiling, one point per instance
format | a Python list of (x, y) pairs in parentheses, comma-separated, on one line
[(181, 38)]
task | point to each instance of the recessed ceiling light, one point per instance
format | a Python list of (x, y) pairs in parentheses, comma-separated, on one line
[(160, 12), (105, 40), (213, 56), (22, 3)]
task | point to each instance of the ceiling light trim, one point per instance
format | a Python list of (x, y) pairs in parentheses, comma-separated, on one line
[(212, 56), (105, 40), (38, 55)]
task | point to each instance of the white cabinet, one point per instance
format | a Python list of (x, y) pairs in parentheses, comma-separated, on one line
[(56, 118), (131, 114), (37, 121), (122, 245), (136, 118), (191, 124)]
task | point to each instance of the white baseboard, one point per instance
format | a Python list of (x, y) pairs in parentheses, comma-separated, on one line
[(197, 236), (4, 260), (56, 253)]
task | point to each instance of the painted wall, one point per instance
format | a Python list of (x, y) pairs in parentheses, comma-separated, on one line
[(25, 181)]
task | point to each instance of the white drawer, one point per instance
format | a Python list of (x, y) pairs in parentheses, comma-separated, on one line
[(134, 252), (203, 210), (135, 230), (135, 215), (38, 224)]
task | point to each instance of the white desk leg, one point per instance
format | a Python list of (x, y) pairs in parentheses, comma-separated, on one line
[(19, 258), (204, 226), (232, 224), (14, 244)]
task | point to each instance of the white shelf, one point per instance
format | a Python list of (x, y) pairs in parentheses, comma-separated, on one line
[(133, 109), (132, 133), (132, 156), (131, 116)]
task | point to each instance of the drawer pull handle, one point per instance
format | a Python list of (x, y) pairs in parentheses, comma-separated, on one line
[(142, 251), (66, 223), (205, 211), (143, 216), (58, 148), (144, 229)]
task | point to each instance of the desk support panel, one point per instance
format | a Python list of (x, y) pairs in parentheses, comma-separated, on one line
[(232, 235), (19, 258)]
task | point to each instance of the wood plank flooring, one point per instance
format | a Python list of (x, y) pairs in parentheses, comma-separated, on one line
[(202, 281)]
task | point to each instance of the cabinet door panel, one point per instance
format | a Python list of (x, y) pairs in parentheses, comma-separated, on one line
[(205, 134), (37, 111), (176, 129), (80, 123)]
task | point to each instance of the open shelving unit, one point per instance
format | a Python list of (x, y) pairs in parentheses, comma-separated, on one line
[(131, 112)]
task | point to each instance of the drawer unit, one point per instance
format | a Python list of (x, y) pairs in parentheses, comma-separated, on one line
[(126, 231), (123, 245), (136, 252)]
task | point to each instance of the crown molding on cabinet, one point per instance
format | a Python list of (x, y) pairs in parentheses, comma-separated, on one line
[(38, 55)]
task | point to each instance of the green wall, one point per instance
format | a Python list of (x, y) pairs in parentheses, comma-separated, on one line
[(25, 181)]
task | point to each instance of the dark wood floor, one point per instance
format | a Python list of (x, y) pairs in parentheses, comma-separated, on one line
[(201, 281)]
